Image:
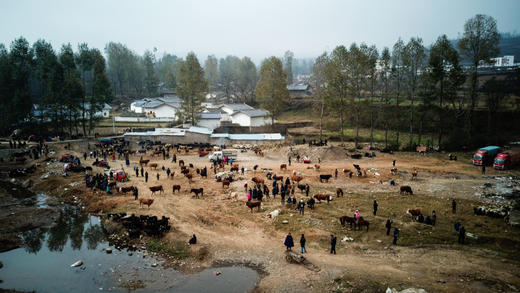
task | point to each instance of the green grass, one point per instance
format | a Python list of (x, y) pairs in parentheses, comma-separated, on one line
[(176, 249)]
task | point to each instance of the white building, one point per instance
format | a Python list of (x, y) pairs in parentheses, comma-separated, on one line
[(165, 107), (209, 120), (508, 60), (251, 118), (232, 108)]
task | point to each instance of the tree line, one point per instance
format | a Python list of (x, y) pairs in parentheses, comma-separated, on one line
[(412, 89), (63, 89)]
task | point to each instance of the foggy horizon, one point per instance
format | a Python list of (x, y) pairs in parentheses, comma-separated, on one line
[(257, 29)]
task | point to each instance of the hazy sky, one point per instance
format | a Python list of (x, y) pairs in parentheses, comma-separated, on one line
[(253, 28)]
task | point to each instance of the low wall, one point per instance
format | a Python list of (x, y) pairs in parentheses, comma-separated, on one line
[(191, 138), (143, 119)]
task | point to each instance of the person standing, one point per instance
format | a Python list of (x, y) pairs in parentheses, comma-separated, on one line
[(289, 160), (336, 174), (301, 207), (136, 193), (289, 243), (462, 234), (393, 163), (388, 226), (454, 206), (396, 235), (375, 207), (157, 176), (146, 176), (483, 168), (434, 217), (142, 170), (333, 240), (302, 243), (137, 172)]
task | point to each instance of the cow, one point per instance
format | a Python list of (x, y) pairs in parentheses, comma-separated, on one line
[(181, 162), (234, 165), (321, 197), (225, 183), (283, 167), (302, 187), (197, 191), (316, 167), (125, 189), (394, 171), (346, 171), (346, 219), (277, 178), (415, 213), (414, 174), (159, 188), (258, 180), (153, 165), (176, 187), (406, 189), (189, 176), (183, 167), (145, 162), (185, 171), (339, 192), (254, 204), (145, 201), (325, 177), (234, 169), (296, 178)]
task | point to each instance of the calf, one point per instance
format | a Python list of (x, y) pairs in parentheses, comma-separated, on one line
[(339, 192), (253, 204), (197, 191), (153, 165), (176, 187), (325, 177), (415, 213), (283, 167), (159, 188), (225, 183), (406, 189), (145, 201), (321, 197)]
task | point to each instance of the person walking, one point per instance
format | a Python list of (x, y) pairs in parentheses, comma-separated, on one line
[(396, 235), (307, 189), (157, 176), (375, 207), (453, 206), (146, 176), (462, 234), (333, 240), (301, 207), (289, 243), (289, 160), (393, 163), (168, 171), (136, 193), (483, 168), (388, 226), (137, 172), (142, 170), (302, 243)]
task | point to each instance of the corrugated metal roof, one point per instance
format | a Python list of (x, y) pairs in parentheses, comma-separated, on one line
[(201, 130), (210, 115), (219, 134), (298, 87), (238, 107), (153, 104), (253, 113)]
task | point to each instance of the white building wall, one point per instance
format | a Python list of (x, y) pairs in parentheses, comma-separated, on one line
[(162, 111), (241, 119), (209, 123)]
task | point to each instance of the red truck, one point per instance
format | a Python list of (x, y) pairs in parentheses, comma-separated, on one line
[(484, 156), (506, 160)]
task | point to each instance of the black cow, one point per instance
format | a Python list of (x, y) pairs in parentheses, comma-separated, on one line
[(325, 177)]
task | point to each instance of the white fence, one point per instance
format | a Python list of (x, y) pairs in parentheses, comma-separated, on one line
[(143, 119)]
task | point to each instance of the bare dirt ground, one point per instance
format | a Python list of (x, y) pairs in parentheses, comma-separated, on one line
[(426, 256)]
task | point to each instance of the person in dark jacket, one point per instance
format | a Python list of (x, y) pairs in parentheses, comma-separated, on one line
[(454, 206), (193, 239), (307, 189), (434, 218), (142, 172), (136, 193), (289, 243), (146, 176), (302, 243), (333, 240), (462, 234), (137, 172), (388, 226), (396, 235), (301, 207), (375, 207)]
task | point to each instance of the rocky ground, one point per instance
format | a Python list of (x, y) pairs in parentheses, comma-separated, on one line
[(228, 233)]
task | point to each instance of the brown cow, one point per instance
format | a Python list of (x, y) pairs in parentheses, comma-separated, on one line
[(189, 176), (145, 162), (181, 162), (233, 169), (125, 189), (283, 166), (321, 197), (316, 167), (253, 204), (406, 189), (277, 178), (235, 165), (159, 188), (153, 165), (415, 213), (339, 192), (414, 174), (296, 178), (346, 219), (145, 201), (176, 187), (185, 171), (257, 180), (225, 183), (362, 222), (394, 171)]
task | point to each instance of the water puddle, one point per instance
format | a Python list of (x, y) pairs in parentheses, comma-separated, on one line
[(44, 263)]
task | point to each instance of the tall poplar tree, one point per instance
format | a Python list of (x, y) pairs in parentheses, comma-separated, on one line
[(191, 88), (271, 89)]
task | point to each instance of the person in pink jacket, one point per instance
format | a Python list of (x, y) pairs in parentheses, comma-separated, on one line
[(249, 196)]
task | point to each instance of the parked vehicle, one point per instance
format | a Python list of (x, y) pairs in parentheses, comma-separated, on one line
[(230, 154), (485, 156), (507, 159)]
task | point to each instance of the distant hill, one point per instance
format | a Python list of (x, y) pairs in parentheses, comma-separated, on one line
[(509, 45)]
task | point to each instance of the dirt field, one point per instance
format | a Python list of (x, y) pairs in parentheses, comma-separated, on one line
[(426, 256)]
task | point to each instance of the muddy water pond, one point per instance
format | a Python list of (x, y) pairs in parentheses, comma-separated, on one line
[(44, 264)]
